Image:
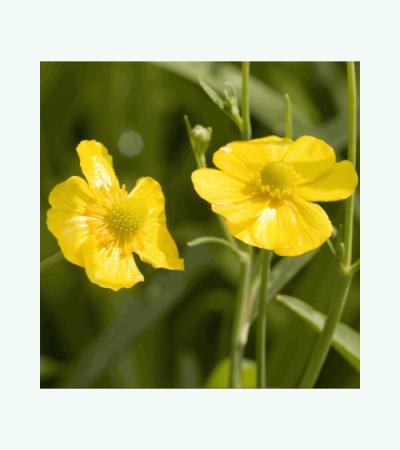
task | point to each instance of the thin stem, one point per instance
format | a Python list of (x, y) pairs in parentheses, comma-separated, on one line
[(346, 273), (323, 343), (288, 117), (246, 124), (351, 156), (239, 330), (262, 320), (48, 262), (216, 240), (239, 338)]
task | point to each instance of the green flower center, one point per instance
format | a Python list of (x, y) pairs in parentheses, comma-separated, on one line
[(127, 217), (277, 179)]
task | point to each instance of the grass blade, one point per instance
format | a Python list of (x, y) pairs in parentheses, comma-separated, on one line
[(345, 340)]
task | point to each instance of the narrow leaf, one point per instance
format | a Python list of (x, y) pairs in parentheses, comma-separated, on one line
[(345, 340), (166, 289)]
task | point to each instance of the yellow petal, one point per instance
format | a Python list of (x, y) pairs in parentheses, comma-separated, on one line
[(67, 218), (339, 184), (109, 268), (244, 159), (96, 165), (149, 193), (291, 227), (155, 246), (310, 157), (218, 188), (313, 228), (242, 211)]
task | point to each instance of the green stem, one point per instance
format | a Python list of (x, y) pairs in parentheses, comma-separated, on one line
[(216, 240), (288, 117), (338, 302), (246, 124), (239, 338), (323, 343), (262, 320), (239, 331), (352, 157)]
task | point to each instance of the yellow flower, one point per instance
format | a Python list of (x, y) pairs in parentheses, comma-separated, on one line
[(265, 189), (98, 224)]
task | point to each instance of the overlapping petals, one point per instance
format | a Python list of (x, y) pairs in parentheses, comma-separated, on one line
[(98, 225), (279, 217)]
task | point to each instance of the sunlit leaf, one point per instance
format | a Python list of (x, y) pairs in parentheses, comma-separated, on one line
[(219, 377), (345, 340)]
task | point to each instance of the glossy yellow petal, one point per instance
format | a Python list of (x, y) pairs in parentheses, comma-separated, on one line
[(149, 193), (67, 218), (291, 227), (310, 157), (218, 188), (155, 246), (96, 165), (243, 231), (312, 229), (338, 184), (243, 160), (242, 211), (108, 267)]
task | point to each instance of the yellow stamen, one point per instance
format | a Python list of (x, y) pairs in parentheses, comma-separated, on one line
[(277, 179)]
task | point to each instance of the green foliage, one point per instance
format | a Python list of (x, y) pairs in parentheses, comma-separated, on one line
[(219, 377), (174, 328), (345, 340)]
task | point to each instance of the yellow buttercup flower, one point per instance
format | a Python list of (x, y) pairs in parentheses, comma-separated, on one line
[(98, 224), (265, 190)]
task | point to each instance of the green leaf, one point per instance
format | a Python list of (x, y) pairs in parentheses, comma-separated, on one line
[(219, 377), (166, 289), (267, 104), (345, 340)]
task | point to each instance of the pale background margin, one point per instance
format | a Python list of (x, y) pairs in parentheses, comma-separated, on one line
[(201, 30)]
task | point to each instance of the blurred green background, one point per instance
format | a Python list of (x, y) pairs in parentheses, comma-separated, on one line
[(172, 330)]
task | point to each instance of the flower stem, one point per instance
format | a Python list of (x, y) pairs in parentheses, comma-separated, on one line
[(246, 124), (215, 240), (238, 337), (338, 302), (262, 320), (239, 331)]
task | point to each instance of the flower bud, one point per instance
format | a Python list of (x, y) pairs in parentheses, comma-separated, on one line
[(201, 138)]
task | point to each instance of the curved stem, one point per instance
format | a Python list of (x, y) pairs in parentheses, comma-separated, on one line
[(216, 240), (338, 302), (239, 338), (261, 349)]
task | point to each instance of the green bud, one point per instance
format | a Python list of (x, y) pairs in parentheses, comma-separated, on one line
[(201, 137)]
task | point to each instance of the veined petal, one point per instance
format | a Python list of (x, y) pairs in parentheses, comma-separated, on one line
[(108, 267), (148, 193), (242, 211), (218, 188), (67, 218), (244, 159), (289, 228), (313, 228), (338, 184), (310, 157), (96, 165), (155, 246)]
